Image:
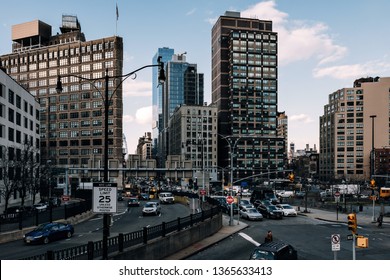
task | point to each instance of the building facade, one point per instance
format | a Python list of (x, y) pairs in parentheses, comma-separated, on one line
[(19, 142), (244, 89), (193, 135), (355, 121), (71, 122)]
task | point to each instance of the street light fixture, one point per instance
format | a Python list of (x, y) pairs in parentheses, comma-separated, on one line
[(107, 99), (372, 166), (232, 146)]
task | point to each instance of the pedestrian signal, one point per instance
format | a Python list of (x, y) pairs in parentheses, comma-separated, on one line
[(291, 177), (352, 223)]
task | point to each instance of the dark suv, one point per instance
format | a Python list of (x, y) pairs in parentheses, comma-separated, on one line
[(270, 211), (274, 250)]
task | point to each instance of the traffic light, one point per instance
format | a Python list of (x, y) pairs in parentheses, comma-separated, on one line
[(352, 223), (291, 177), (372, 183)]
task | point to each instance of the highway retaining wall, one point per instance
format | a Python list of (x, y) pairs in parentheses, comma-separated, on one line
[(163, 247)]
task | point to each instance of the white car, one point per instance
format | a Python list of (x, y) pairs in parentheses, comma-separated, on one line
[(151, 208), (250, 214), (166, 197), (40, 207), (287, 209)]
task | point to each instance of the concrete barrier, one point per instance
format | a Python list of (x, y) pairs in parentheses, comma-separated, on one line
[(163, 247)]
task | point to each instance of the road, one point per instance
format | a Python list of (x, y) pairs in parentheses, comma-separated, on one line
[(311, 238), (124, 221)]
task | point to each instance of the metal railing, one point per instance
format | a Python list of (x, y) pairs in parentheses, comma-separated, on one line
[(94, 250), (10, 222)]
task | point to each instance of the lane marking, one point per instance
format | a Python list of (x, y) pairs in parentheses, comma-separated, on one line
[(248, 238)]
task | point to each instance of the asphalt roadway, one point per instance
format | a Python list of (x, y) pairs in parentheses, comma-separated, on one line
[(364, 217)]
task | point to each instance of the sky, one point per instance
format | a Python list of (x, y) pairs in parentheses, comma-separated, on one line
[(323, 46)]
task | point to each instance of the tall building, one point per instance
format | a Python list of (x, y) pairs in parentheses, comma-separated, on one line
[(184, 85), (166, 55), (72, 122), (19, 141), (244, 88), (355, 120), (144, 146)]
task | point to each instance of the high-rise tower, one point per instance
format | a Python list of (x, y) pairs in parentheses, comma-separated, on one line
[(72, 122), (244, 88)]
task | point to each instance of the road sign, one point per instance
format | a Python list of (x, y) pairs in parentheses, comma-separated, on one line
[(337, 194), (229, 199), (104, 197), (202, 192), (335, 242)]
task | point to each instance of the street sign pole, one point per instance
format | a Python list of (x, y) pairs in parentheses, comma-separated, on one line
[(335, 239), (354, 247)]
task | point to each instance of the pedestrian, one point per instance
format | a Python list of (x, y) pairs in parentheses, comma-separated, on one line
[(380, 220), (268, 237)]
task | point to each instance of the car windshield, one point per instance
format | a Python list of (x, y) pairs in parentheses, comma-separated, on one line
[(262, 255), (287, 207), (272, 207), (150, 205), (252, 210)]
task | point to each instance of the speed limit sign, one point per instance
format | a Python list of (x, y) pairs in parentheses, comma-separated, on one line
[(104, 197)]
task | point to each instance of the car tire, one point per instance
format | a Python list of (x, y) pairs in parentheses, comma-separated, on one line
[(46, 240), (68, 234)]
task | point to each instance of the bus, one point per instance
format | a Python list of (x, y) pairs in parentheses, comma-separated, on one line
[(384, 192)]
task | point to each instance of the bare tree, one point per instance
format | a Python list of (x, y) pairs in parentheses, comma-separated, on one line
[(27, 167), (7, 165)]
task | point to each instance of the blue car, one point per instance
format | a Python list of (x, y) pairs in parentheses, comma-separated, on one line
[(48, 232)]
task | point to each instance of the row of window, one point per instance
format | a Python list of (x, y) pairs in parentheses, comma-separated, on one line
[(31, 58)]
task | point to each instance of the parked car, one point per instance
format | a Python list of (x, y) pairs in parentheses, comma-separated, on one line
[(40, 207), (285, 194), (49, 232), (250, 214), (274, 250), (288, 210), (151, 208), (18, 209), (133, 202), (270, 211), (245, 203), (166, 197)]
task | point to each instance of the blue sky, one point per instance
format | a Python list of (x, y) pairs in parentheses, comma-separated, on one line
[(323, 46)]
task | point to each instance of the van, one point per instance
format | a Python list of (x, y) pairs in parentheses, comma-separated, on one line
[(274, 250), (166, 197)]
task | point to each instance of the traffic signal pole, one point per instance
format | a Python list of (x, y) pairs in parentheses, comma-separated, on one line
[(352, 226)]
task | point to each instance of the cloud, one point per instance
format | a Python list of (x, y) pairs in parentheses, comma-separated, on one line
[(298, 40), (301, 118), (371, 68), (191, 12), (142, 116), (137, 88)]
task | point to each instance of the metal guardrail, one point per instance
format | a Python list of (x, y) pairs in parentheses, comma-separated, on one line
[(18, 221), (94, 250)]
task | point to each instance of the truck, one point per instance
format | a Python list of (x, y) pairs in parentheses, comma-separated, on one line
[(263, 193)]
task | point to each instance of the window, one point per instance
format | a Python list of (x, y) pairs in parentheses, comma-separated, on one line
[(11, 97)]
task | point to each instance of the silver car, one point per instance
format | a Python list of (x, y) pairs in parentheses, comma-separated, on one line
[(151, 208), (250, 214)]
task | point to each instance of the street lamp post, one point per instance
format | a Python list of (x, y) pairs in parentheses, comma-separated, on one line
[(107, 99), (232, 146), (372, 166)]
